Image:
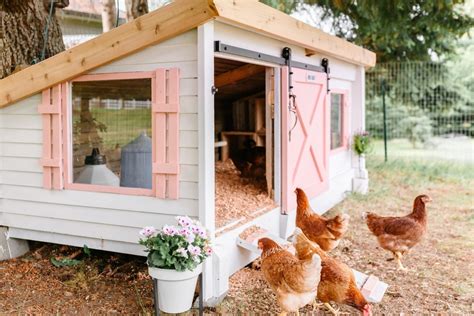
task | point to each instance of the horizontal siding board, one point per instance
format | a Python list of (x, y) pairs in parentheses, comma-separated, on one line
[(21, 164), (188, 156), (188, 190), (22, 150), (189, 173), (102, 200), (85, 214), (18, 135), (188, 87), (92, 243), (188, 69), (188, 122), (23, 121), (188, 139), (83, 229), (26, 106), (28, 179), (188, 104)]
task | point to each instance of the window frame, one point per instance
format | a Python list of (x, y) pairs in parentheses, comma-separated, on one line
[(67, 133), (344, 117)]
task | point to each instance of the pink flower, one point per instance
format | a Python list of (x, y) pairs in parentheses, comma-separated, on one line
[(184, 221), (187, 234), (169, 230), (148, 231), (182, 252), (194, 250), (198, 230), (208, 251)]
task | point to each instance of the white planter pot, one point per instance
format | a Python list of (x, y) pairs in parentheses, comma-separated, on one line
[(175, 288), (362, 162)]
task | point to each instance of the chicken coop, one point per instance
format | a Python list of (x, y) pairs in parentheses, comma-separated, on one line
[(216, 110)]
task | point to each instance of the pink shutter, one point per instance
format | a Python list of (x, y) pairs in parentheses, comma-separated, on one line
[(51, 161), (165, 127), (305, 157)]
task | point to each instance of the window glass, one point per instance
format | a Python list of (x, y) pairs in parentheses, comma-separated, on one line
[(111, 126), (336, 120)]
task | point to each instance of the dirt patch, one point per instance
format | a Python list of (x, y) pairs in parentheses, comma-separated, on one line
[(105, 283), (238, 199)]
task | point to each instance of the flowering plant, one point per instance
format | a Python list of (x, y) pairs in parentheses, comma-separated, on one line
[(362, 143), (181, 247)]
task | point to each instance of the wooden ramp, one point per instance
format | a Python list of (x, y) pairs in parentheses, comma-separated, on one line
[(371, 287)]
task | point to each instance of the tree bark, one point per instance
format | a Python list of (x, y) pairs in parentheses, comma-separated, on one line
[(136, 8), (109, 15), (23, 24)]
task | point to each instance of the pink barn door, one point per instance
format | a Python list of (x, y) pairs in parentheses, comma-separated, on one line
[(305, 154)]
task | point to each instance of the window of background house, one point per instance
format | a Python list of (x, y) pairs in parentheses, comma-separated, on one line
[(336, 120), (111, 133)]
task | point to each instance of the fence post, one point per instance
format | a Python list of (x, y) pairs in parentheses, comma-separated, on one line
[(384, 119)]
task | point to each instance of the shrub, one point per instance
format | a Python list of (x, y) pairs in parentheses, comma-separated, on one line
[(362, 143)]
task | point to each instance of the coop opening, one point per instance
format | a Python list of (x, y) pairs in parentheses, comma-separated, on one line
[(244, 169), (111, 133)]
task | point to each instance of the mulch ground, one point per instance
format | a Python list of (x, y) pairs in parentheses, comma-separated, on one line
[(440, 282)]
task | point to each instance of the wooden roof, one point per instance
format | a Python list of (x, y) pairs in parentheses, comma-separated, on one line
[(171, 20)]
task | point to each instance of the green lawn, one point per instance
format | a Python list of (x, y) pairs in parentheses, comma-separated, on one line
[(451, 149)]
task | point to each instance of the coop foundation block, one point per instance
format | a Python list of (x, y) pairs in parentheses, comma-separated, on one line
[(360, 185), (11, 247)]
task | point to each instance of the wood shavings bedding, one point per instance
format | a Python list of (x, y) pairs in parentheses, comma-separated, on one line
[(238, 198)]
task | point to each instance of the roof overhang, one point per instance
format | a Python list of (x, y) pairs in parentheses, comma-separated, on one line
[(171, 20)]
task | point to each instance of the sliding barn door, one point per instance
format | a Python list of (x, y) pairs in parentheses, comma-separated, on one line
[(305, 150)]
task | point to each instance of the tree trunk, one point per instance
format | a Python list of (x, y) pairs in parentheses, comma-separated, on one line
[(109, 15), (136, 8), (23, 25)]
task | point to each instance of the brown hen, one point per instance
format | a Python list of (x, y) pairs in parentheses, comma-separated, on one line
[(400, 234), (337, 282), (294, 281), (325, 232)]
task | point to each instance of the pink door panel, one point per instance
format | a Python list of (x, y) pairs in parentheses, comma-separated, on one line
[(305, 156)]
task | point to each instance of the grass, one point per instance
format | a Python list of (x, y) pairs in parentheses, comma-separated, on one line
[(460, 149)]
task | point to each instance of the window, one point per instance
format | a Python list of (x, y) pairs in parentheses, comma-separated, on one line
[(111, 133), (114, 133), (336, 120)]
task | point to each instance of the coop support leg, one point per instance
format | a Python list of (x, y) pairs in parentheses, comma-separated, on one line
[(11, 247)]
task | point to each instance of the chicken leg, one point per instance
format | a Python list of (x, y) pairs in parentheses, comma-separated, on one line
[(398, 257)]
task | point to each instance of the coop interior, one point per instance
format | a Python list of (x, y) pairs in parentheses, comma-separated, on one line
[(243, 143)]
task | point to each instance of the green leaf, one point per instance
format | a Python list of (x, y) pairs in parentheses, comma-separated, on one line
[(86, 250), (64, 262)]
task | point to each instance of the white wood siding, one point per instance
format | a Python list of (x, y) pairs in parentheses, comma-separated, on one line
[(101, 220)]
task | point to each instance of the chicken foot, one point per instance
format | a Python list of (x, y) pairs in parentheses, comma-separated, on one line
[(335, 312)]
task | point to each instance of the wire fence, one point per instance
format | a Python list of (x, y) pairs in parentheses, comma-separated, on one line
[(429, 112)]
